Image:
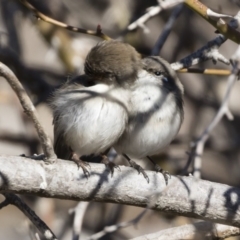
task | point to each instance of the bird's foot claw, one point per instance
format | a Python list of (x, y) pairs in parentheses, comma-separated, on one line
[(139, 169), (165, 174), (110, 165), (84, 165)]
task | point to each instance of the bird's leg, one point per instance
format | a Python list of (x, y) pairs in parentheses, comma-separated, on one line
[(82, 164), (136, 166), (157, 168), (109, 164)]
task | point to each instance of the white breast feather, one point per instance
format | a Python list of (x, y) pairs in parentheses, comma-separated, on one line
[(95, 120), (155, 120)]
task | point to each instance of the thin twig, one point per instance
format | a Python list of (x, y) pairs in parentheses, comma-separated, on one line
[(79, 212), (134, 221), (198, 146), (151, 12), (39, 15), (220, 72), (23, 207), (207, 52), (167, 29), (114, 228), (30, 110)]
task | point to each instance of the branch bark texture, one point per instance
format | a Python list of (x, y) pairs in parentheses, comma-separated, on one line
[(185, 196), (196, 231)]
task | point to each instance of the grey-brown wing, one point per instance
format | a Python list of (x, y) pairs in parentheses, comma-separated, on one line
[(62, 150), (82, 80)]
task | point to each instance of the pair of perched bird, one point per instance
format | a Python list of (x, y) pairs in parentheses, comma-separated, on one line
[(125, 101)]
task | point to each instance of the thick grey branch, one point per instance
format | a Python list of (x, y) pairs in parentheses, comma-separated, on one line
[(29, 109), (183, 196)]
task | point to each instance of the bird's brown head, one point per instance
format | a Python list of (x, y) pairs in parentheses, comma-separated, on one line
[(113, 61)]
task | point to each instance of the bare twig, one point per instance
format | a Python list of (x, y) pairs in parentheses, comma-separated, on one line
[(228, 30), (114, 228), (39, 87), (199, 230), (29, 109), (215, 19), (198, 146), (207, 52), (79, 212), (134, 221), (221, 72), (39, 15), (166, 30), (23, 207), (151, 12)]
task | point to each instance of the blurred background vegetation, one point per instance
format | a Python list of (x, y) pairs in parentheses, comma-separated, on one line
[(44, 56)]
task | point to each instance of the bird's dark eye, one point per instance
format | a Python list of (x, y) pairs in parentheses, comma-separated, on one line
[(157, 73)]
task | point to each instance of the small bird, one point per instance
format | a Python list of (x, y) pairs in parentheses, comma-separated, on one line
[(90, 113), (155, 113)]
